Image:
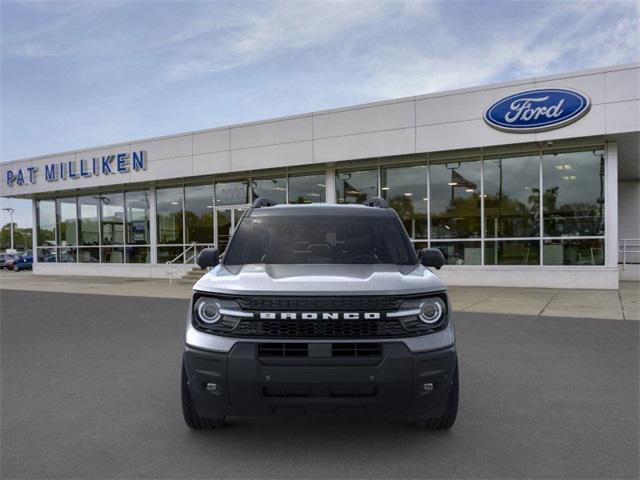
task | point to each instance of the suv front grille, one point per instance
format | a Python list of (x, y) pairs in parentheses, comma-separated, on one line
[(283, 350), (320, 304), (352, 350), (320, 328), (356, 349)]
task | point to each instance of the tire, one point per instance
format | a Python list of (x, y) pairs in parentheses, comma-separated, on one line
[(16, 268), (191, 418), (448, 417)]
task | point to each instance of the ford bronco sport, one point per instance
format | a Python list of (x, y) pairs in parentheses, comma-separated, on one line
[(320, 309)]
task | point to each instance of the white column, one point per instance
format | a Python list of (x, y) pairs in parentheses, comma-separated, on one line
[(34, 230), (611, 205), (330, 184), (153, 233)]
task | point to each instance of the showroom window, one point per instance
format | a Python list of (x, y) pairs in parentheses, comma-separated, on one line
[(67, 221), (405, 188), (232, 193), (112, 218), (67, 215), (573, 197), (46, 230), (573, 207), (460, 252), (272, 188), (486, 210), (106, 228), (455, 199), (507, 189), (169, 207), (574, 251), (198, 214), (308, 188), (512, 197), (512, 252), (88, 229), (46, 222), (356, 186), (137, 248), (112, 227)]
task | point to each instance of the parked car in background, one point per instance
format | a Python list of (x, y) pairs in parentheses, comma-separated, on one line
[(7, 260), (23, 262)]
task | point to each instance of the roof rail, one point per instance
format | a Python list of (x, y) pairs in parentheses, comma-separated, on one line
[(263, 202), (376, 202)]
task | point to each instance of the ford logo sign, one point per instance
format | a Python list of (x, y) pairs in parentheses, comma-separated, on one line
[(537, 110)]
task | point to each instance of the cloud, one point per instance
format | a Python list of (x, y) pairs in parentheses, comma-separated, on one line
[(100, 72), (52, 27), (541, 46), (286, 27), (436, 51)]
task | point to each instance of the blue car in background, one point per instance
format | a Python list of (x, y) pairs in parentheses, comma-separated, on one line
[(23, 262)]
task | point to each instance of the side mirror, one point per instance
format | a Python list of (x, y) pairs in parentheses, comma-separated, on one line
[(208, 258), (432, 257)]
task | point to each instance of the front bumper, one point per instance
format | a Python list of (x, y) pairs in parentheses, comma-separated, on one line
[(396, 382)]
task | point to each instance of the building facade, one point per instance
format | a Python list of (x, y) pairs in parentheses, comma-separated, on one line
[(525, 183)]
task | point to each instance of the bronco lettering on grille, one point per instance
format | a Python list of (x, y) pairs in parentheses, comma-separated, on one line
[(319, 316)]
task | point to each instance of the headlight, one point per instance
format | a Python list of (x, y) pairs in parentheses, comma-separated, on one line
[(208, 310), (432, 310), (423, 314), (216, 315)]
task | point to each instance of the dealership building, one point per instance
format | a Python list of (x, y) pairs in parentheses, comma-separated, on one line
[(529, 183)]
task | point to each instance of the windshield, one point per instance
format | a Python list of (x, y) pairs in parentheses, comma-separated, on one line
[(343, 239)]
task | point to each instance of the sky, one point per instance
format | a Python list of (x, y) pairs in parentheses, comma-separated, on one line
[(87, 73)]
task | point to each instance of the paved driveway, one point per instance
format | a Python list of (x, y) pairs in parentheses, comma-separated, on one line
[(90, 390)]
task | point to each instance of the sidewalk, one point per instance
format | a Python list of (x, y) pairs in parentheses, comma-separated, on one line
[(623, 304)]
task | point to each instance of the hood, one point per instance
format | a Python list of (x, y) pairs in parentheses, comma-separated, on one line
[(260, 279)]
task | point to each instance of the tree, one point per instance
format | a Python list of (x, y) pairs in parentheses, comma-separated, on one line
[(21, 237)]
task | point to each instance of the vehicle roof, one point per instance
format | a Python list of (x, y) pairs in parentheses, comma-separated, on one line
[(320, 209)]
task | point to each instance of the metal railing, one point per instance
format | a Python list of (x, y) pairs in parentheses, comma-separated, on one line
[(628, 248), (188, 256)]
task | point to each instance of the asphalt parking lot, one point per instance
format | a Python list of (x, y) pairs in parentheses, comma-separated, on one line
[(90, 389)]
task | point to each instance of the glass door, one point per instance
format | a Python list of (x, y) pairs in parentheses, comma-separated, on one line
[(227, 218)]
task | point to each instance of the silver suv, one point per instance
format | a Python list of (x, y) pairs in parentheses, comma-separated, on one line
[(320, 309)]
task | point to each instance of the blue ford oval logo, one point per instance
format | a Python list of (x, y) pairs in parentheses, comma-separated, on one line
[(537, 110)]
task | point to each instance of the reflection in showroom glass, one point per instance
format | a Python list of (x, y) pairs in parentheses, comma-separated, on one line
[(307, 188), (137, 218), (356, 187), (512, 197), (67, 219), (455, 199), (405, 188), (272, 188), (460, 253), (112, 218), (169, 218), (88, 225), (512, 252), (574, 252), (198, 213), (46, 219), (573, 198)]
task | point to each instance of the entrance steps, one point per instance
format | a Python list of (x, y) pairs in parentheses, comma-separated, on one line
[(191, 276)]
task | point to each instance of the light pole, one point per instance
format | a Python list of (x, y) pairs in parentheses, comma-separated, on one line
[(11, 212)]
